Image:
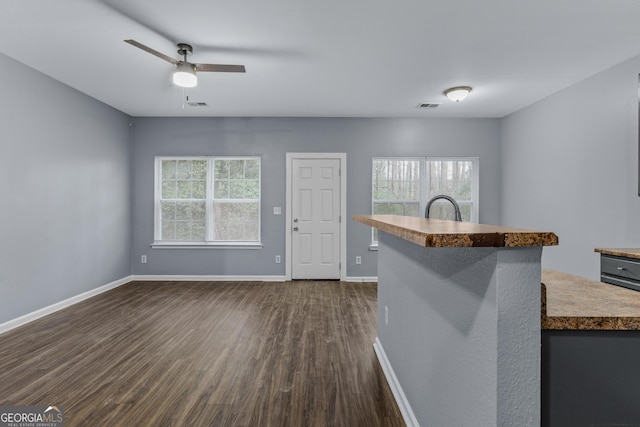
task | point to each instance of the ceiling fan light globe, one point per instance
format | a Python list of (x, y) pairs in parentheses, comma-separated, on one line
[(185, 75)]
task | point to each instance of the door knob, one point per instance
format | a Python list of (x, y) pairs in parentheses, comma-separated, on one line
[(295, 228), (295, 220)]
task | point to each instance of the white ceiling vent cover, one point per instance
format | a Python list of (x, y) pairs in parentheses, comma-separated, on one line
[(196, 104), (429, 105)]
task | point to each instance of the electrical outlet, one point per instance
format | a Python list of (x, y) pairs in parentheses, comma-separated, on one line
[(277, 259), (358, 260), (143, 259), (386, 315)]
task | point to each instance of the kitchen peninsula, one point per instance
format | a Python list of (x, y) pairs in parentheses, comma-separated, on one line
[(459, 320)]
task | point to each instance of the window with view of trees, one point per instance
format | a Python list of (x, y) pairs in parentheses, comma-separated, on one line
[(403, 186), (396, 186), (453, 178), (207, 200)]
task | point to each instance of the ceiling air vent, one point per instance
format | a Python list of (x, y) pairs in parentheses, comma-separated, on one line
[(196, 104), (429, 105)]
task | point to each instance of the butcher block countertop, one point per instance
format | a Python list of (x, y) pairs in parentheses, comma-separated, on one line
[(623, 252), (441, 233), (574, 303)]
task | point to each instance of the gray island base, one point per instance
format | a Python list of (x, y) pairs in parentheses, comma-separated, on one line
[(459, 320)]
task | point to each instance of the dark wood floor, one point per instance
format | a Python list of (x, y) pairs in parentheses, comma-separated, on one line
[(205, 354)]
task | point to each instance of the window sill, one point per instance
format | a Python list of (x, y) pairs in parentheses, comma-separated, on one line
[(186, 245)]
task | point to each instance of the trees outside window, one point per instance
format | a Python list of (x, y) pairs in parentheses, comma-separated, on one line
[(207, 200), (403, 186)]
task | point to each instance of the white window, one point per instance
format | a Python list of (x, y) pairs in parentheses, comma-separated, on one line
[(396, 186), (403, 186), (457, 178), (207, 201)]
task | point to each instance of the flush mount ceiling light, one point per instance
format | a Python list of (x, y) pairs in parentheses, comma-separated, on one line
[(457, 93), (185, 75)]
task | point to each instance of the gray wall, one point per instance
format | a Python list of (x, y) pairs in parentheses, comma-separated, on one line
[(463, 331), (570, 165), (65, 189), (361, 139)]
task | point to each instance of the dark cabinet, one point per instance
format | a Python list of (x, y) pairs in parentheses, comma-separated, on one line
[(621, 271)]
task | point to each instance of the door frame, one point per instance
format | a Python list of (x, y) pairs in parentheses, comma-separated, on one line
[(343, 208)]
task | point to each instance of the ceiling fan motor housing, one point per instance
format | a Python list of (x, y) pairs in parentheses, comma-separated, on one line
[(184, 49)]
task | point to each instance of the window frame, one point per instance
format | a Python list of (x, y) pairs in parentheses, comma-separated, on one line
[(209, 241), (423, 175)]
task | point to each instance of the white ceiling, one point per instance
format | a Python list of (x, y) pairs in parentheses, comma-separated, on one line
[(353, 58)]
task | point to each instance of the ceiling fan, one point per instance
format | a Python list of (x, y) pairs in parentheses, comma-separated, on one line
[(185, 72)]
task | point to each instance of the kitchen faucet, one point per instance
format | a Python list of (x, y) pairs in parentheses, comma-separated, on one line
[(456, 207)]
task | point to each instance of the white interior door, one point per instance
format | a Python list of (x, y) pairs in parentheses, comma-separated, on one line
[(315, 218)]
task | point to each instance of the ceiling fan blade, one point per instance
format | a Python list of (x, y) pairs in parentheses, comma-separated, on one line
[(220, 68), (152, 51)]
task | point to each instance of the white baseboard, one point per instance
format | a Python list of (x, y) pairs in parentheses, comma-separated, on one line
[(30, 317), (195, 278), (407, 413), (361, 279), (224, 278)]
